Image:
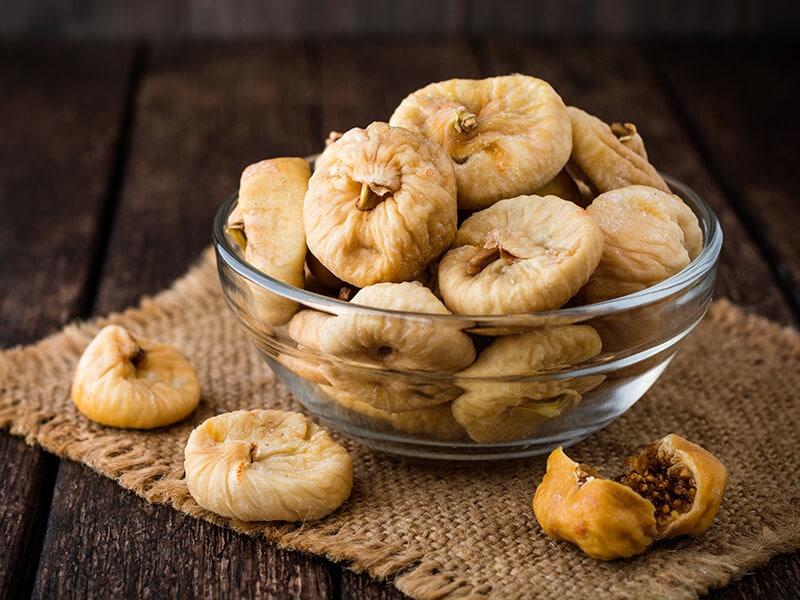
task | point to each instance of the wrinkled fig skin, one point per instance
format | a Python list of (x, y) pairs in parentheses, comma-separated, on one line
[(523, 254), (610, 160), (510, 410), (648, 235), (122, 381), (266, 465), (304, 330), (380, 206), (430, 422), (506, 135), (397, 344), (271, 194), (605, 519)]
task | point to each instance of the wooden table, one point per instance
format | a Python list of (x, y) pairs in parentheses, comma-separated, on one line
[(115, 156)]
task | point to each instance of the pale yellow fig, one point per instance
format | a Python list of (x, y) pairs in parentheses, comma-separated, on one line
[(628, 135), (523, 254), (563, 186), (305, 359), (380, 206), (509, 409), (376, 349), (266, 465), (506, 135), (268, 223), (430, 422), (122, 381), (610, 158), (649, 235)]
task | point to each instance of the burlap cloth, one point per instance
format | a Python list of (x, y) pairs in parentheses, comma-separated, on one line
[(439, 531)]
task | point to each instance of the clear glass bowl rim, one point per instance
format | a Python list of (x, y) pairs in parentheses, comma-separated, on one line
[(684, 279)]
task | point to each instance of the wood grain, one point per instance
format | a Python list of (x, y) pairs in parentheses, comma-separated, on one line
[(306, 19), (60, 109)]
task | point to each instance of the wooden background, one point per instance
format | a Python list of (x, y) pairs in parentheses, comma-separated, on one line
[(313, 19)]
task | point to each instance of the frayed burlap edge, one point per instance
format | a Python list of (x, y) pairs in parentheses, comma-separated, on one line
[(49, 364)]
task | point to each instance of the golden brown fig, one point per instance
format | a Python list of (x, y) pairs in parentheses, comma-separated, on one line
[(648, 235), (523, 254), (380, 206), (605, 519), (609, 160), (507, 135), (563, 186), (266, 465), (672, 487), (684, 482), (127, 382)]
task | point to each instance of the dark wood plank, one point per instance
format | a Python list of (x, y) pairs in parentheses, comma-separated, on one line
[(27, 474), (128, 548), (202, 113), (60, 113), (305, 19), (353, 96), (619, 84), (740, 100)]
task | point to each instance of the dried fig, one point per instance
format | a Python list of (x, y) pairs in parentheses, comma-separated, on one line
[(605, 519), (268, 223), (629, 136), (506, 136), (672, 487), (266, 465), (684, 482), (380, 206), (122, 381), (508, 409), (563, 186), (648, 235), (304, 330), (431, 422), (523, 254), (610, 158), (395, 344)]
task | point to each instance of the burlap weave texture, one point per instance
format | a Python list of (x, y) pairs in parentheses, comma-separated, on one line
[(439, 531)]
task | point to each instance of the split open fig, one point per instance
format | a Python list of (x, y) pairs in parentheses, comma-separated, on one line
[(672, 487)]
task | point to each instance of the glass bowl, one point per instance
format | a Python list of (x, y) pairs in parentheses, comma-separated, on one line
[(441, 414)]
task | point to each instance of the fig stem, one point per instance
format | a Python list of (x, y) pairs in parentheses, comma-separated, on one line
[(623, 131), (138, 357), (481, 258), (466, 122), (491, 251), (368, 198)]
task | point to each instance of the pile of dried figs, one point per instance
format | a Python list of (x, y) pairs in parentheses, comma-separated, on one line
[(476, 197)]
